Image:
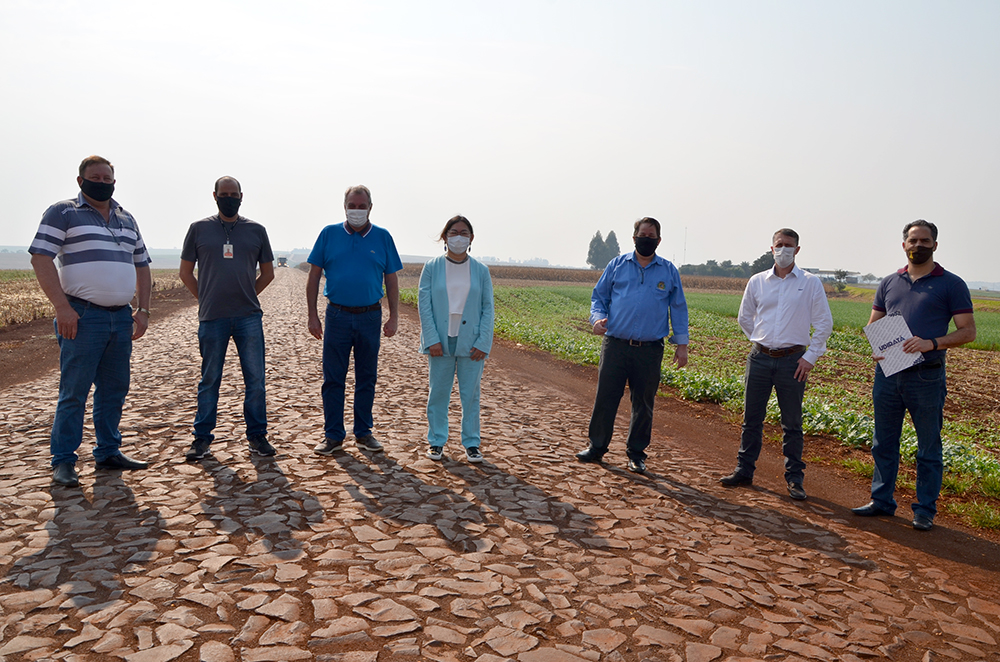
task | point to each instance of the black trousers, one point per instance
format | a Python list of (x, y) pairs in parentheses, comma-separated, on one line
[(639, 367)]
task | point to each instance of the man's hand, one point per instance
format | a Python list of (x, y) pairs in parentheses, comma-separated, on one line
[(437, 349), (601, 327), (391, 326), (802, 371), (66, 320), (681, 355), (477, 354), (315, 326), (140, 322), (914, 344)]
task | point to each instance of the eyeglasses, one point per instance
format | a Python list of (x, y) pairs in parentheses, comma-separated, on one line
[(456, 233)]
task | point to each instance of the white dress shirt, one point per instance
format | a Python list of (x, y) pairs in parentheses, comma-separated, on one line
[(778, 312)]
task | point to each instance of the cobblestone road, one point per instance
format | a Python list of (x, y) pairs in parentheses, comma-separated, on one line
[(361, 557)]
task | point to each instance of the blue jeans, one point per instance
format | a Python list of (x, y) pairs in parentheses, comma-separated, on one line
[(213, 340), (345, 331), (99, 356), (764, 372), (639, 367), (922, 393), (443, 370)]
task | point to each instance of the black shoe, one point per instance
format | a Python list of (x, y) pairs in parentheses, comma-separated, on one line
[(65, 474), (871, 510), (796, 492), (590, 455), (473, 455), (122, 461), (198, 450), (329, 446), (922, 522), (636, 466), (370, 443), (260, 446), (436, 452), (736, 479)]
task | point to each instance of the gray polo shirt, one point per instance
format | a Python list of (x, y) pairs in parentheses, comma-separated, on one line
[(226, 284)]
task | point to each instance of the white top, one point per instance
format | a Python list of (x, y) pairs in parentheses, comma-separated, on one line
[(459, 280), (778, 312)]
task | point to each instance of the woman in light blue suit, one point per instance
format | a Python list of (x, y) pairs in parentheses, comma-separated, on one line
[(456, 332)]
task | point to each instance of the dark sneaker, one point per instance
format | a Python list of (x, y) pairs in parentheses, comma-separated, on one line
[(198, 450), (329, 446), (369, 443), (736, 479), (796, 491), (473, 454), (436, 452), (260, 446)]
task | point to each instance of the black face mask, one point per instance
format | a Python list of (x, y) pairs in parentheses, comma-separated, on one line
[(99, 191), (645, 246), (229, 207), (920, 254)]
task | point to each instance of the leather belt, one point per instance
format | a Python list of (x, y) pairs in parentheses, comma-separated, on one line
[(778, 353), (356, 310), (84, 302), (638, 343), (926, 365)]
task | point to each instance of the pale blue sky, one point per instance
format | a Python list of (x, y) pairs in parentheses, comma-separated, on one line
[(542, 122)]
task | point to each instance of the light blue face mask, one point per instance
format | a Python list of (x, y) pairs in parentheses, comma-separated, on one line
[(784, 256), (459, 244)]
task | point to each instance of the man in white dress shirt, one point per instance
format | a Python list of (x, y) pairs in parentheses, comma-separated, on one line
[(779, 306)]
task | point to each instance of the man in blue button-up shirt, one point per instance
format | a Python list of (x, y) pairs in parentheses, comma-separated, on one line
[(636, 302)]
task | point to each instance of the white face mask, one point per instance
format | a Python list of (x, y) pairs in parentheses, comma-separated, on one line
[(357, 217), (458, 244), (784, 256)]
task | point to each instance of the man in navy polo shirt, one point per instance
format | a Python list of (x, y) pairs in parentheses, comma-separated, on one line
[(928, 298), (90, 261), (357, 257)]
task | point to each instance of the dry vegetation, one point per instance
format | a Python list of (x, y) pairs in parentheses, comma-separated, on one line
[(22, 300)]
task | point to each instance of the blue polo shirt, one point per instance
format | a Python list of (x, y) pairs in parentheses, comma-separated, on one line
[(355, 264), (641, 303), (926, 305)]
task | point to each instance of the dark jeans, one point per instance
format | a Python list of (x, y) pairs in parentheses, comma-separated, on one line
[(99, 356), (639, 367), (764, 372), (922, 393), (345, 331), (213, 341)]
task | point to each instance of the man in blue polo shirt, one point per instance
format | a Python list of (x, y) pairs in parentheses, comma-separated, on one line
[(928, 298), (357, 257), (634, 305), (90, 261)]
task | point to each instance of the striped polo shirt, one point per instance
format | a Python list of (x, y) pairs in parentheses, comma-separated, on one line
[(96, 260)]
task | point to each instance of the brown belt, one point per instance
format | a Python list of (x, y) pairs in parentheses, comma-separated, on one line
[(778, 353)]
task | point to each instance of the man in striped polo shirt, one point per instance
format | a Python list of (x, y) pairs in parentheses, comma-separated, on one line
[(90, 261)]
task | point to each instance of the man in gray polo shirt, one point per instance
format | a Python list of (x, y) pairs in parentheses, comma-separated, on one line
[(228, 248)]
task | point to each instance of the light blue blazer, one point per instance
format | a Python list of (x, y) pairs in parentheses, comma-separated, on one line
[(477, 318)]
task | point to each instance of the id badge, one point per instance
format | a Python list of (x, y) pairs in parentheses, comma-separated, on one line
[(227, 251)]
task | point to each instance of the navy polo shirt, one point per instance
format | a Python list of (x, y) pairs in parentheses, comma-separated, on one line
[(926, 305)]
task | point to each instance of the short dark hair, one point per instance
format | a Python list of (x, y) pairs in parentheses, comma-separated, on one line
[(451, 222), (358, 189), (646, 219), (920, 223), (788, 232), (95, 160), (225, 178)]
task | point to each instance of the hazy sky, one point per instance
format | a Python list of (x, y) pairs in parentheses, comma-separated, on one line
[(543, 122)]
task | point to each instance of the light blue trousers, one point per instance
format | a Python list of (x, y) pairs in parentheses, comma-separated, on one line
[(442, 378)]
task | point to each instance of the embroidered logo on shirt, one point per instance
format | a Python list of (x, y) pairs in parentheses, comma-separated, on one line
[(661, 285)]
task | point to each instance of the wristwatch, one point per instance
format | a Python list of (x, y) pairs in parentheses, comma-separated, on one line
[(140, 309)]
